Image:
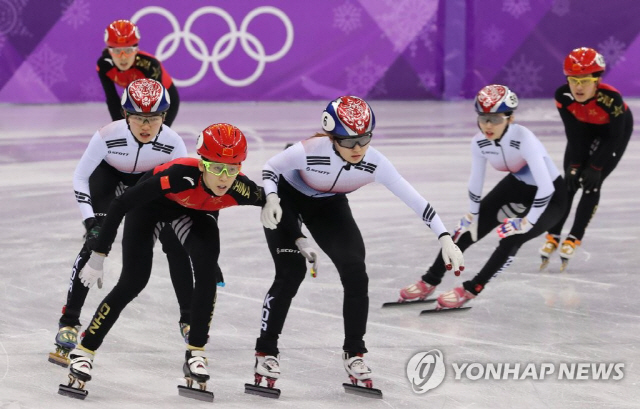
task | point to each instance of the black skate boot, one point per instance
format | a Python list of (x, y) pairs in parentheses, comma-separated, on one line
[(195, 369)]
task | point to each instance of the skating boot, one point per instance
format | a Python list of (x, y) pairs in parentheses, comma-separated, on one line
[(266, 366), (547, 250), (184, 331), (418, 292), (567, 250), (195, 369), (454, 299), (66, 340), (79, 371), (358, 371)]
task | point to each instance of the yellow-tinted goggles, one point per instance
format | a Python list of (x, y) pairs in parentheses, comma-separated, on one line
[(584, 81), (217, 168)]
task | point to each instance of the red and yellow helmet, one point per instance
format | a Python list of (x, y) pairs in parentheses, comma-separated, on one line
[(583, 60), (222, 143), (121, 33)]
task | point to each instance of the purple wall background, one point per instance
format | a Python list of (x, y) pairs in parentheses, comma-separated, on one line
[(307, 50)]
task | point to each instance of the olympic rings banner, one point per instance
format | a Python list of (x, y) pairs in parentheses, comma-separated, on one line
[(308, 50)]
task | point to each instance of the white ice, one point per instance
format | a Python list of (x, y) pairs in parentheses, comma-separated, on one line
[(587, 314)]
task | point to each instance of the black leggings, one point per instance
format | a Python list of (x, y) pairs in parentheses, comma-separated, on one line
[(332, 226), (104, 184), (509, 198), (201, 242)]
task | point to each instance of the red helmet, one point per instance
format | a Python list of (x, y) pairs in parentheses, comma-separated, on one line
[(222, 143), (495, 99), (121, 33), (145, 96), (583, 60)]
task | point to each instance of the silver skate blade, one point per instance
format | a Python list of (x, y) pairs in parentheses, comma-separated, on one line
[(195, 393), (261, 391), (58, 360), (362, 391), (404, 303), (425, 312), (72, 392)]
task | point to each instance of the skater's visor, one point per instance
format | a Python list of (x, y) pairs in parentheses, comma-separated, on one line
[(351, 143), (584, 81), (123, 50), (494, 119), (217, 168)]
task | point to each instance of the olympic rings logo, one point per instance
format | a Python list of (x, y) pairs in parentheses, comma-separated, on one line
[(223, 46)]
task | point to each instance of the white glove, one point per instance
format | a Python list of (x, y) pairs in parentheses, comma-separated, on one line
[(468, 223), (93, 270), (309, 253), (511, 226), (451, 255), (271, 212)]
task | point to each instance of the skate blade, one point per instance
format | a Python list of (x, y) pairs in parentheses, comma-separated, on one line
[(261, 391), (58, 359), (192, 393), (565, 264), (544, 263), (398, 303), (72, 392), (362, 391), (425, 312)]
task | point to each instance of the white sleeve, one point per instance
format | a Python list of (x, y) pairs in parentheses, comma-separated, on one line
[(180, 150), (289, 159), (476, 180), (388, 175), (93, 155), (535, 160)]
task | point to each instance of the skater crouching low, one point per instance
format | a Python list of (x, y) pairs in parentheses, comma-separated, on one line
[(523, 205)]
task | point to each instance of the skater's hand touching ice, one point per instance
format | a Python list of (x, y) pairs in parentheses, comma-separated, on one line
[(468, 223), (309, 253), (512, 226), (451, 254), (92, 272), (271, 212)]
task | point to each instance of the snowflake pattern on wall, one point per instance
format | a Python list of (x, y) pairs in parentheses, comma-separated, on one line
[(49, 66), (11, 19), (400, 22), (560, 7), (493, 37), (347, 17), (427, 81), (91, 90), (523, 77), (516, 7), (76, 13), (612, 50), (364, 78), (425, 37)]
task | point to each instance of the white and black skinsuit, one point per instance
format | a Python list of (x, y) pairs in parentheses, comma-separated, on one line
[(533, 188), (113, 161), (312, 181)]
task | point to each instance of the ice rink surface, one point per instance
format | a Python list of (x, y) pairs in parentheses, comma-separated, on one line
[(587, 314)]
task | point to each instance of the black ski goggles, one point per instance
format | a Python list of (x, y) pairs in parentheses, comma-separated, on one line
[(350, 143)]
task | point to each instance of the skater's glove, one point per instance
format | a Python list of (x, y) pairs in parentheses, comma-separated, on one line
[(271, 212), (451, 254), (92, 272), (511, 226), (572, 178), (309, 253), (590, 179), (93, 231), (468, 223)]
